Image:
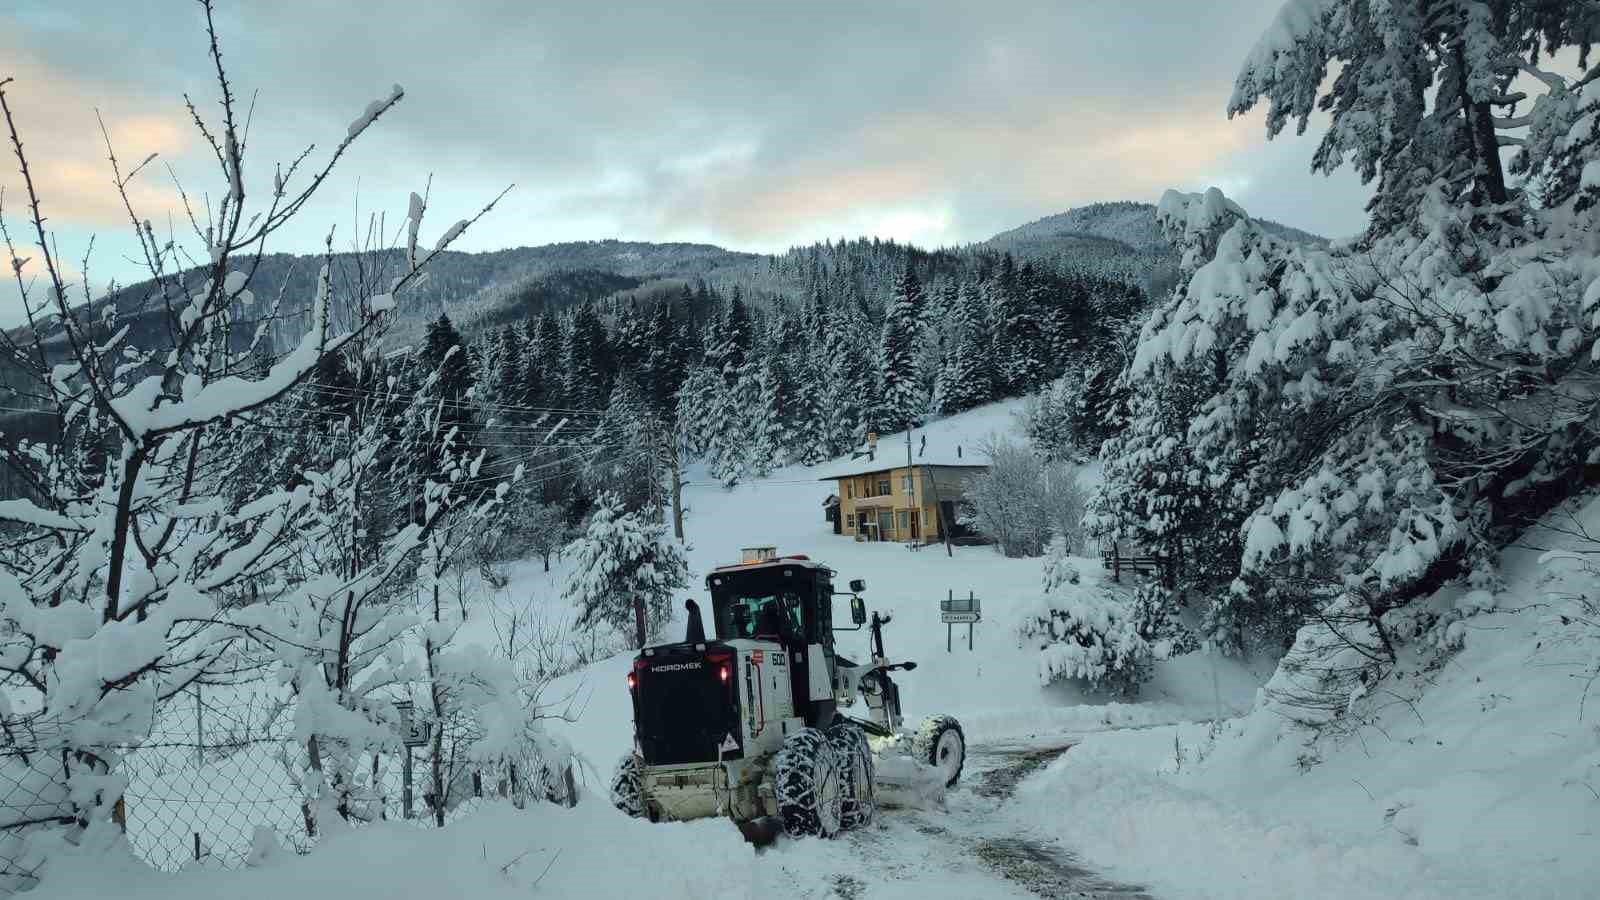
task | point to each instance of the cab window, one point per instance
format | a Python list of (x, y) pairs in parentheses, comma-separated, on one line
[(769, 615)]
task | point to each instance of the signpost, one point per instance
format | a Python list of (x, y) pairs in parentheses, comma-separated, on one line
[(413, 733), (953, 611)]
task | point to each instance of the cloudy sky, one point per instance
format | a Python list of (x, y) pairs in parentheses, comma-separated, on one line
[(754, 125)]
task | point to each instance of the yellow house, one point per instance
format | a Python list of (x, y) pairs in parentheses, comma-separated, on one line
[(883, 501)]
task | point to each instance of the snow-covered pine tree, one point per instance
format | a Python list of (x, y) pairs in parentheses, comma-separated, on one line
[(696, 401), (773, 427), (1049, 418), (626, 448), (730, 339), (898, 352), (968, 376), (851, 400), (590, 361), (510, 384), (623, 558), (545, 357)]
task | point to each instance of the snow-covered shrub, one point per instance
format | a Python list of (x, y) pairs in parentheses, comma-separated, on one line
[(1059, 570), (1155, 617), (1090, 635), (1098, 636)]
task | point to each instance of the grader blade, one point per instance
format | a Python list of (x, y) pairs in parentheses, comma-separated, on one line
[(762, 831)]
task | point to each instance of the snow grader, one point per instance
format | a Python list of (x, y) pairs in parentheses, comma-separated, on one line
[(751, 724)]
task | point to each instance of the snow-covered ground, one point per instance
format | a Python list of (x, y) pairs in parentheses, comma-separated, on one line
[(1479, 779), (993, 689)]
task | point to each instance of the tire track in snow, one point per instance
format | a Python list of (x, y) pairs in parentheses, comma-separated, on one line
[(1035, 863), (967, 849)]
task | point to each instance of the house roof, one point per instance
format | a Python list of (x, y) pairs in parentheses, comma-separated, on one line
[(887, 459)]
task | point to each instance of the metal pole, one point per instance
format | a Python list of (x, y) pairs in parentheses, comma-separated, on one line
[(970, 598), (199, 737), (948, 628), (405, 786)]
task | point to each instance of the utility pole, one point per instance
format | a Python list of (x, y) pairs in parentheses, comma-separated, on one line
[(677, 496), (653, 483), (911, 482), (654, 486), (938, 510)]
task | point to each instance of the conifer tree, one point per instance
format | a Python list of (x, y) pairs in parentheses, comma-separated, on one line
[(903, 400), (510, 384), (547, 357)]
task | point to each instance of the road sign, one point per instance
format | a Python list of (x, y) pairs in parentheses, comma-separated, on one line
[(955, 610), (413, 733)]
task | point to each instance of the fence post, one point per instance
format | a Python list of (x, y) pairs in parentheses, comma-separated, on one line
[(405, 786)]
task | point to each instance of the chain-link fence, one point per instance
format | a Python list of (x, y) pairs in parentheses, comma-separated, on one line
[(33, 796), (220, 777)]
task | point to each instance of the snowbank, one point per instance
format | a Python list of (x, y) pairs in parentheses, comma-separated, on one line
[(1467, 774), (498, 851)]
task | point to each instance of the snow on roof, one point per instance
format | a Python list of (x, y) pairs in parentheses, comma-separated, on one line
[(892, 455), (955, 441)]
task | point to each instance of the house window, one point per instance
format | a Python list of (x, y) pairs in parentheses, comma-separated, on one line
[(850, 520), (905, 483), (905, 522), (849, 489), (883, 487)]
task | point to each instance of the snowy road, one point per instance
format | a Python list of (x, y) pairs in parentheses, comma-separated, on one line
[(969, 849)]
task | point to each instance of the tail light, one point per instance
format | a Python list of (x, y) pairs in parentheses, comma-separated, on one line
[(639, 665), (723, 663), (633, 681)]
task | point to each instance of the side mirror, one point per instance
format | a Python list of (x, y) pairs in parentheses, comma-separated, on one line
[(858, 610), (857, 585)]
